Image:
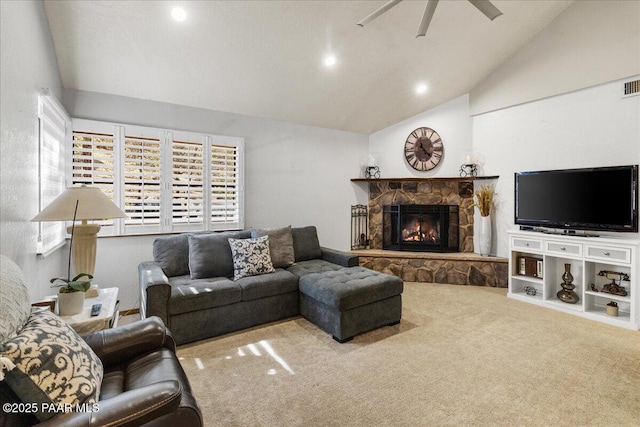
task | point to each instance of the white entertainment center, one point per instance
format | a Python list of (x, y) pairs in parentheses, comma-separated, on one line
[(537, 263)]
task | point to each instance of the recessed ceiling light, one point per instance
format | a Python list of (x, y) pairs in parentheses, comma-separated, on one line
[(179, 14), (330, 61), (421, 88)]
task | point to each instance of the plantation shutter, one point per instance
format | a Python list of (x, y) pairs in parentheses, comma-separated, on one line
[(225, 184), (93, 162), (142, 181), (53, 125), (187, 183), (164, 180)]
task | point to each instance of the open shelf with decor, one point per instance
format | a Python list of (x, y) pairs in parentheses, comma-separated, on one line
[(602, 281)]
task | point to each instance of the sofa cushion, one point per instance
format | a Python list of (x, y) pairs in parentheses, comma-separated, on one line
[(305, 243), (313, 266), (266, 285), (251, 257), (210, 254), (280, 245), (350, 287), (53, 365), (171, 253), (200, 294), (15, 305)]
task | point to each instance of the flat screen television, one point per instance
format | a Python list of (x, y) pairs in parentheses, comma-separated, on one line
[(599, 199)]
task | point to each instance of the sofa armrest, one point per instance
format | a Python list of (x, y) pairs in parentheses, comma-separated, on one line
[(122, 343), (344, 259), (155, 291), (130, 408)]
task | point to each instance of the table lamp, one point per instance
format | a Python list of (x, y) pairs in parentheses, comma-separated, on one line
[(81, 203)]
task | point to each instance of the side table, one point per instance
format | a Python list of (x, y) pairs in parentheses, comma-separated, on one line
[(84, 324)]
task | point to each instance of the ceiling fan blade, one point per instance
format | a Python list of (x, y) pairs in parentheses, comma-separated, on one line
[(426, 18), (486, 7), (378, 12)]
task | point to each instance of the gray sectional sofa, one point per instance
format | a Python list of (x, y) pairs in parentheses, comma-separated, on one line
[(193, 285)]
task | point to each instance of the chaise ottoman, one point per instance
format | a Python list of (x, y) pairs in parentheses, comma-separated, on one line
[(350, 301)]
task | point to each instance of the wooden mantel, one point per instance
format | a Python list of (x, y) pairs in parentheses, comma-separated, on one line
[(435, 178)]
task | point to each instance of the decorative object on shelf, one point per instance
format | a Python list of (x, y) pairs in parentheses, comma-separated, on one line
[(613, 287), (594, 288), (82, 203), (359, 227), (423, 149), (530, 290), (468, 169), (567, 294), (529, 266), (612, 308), (372, 170), (473, 162), (484, 202)]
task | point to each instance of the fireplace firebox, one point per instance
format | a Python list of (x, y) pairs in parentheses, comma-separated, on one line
[(420, 228)]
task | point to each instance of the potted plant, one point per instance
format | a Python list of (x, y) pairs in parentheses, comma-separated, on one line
[(71, 293), (484, 202)]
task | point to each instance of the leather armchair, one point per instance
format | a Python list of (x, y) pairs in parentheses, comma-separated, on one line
[(143, 384)]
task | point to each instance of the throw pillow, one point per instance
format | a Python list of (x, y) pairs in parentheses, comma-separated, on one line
[(53, 365), (305, 243), (14, 299), (280, 245), (210, 255), (251, 257)]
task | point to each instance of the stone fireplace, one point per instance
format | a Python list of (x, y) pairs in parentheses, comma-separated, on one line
[(463, 267), (454, 194), (420, 228)]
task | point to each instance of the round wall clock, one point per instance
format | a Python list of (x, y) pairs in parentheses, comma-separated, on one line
[(423, 149)]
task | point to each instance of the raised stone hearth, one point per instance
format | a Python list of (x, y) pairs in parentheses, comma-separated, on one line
[(456, 269)]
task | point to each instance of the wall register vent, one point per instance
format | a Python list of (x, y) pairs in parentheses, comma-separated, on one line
[(631, 88)]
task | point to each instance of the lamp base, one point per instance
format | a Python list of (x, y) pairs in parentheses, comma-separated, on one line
[(83, 252)]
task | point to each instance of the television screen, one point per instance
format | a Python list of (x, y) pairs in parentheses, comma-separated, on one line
[(588, 199)]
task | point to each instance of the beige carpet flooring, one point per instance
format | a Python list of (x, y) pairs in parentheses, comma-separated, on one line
[(462, 356)]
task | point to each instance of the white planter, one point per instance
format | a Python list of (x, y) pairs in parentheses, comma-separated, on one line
[(484, 235), (70, 303)]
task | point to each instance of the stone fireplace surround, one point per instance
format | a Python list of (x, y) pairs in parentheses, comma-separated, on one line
[(462, 268)]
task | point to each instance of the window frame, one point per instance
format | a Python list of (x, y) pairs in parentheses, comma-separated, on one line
[(51, 168), (166, 138)]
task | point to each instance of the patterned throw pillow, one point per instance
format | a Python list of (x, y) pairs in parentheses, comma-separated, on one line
[(251, 257), (53, 366), (14, 299)]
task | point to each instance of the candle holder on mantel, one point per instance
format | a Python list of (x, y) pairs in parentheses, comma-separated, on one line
[(567, 294), (468, 169)]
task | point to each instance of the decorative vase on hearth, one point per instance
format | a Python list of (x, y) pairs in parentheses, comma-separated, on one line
[(567, 294), (484, 235)]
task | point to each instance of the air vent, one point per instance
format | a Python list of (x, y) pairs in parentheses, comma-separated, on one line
[(631, 88)]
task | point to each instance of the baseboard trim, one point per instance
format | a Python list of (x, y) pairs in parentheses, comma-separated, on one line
[(129, 312)]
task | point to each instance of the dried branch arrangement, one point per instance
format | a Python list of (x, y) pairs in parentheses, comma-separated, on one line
[(484, 199)]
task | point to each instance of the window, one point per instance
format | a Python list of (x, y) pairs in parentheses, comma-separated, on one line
[(53, 123), (164, 180)]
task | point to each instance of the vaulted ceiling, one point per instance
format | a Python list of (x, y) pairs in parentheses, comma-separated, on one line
[(265, 58)]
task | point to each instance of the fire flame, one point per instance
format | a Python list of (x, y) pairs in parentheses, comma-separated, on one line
[(419, 232)]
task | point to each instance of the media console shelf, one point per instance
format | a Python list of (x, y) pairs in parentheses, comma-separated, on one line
[(537, 263)]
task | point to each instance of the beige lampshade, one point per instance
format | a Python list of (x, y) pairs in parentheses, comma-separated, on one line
[(92, 204)]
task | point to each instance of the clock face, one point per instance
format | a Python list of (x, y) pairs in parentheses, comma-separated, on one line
[(423, 149)]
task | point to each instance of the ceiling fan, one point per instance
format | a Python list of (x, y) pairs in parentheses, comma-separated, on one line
[(484, 6)]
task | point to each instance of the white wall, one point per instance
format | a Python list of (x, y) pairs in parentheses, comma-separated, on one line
[(28, 64), (295, 174), (450, 120), (590, 43), (590, 127)]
